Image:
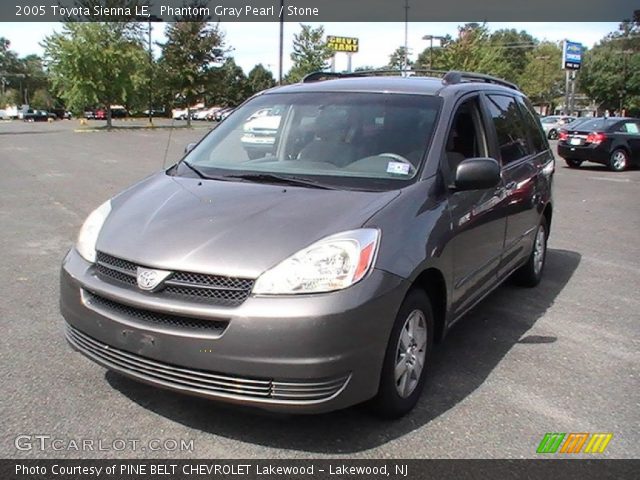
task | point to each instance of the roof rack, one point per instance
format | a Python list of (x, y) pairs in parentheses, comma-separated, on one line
[(451, 77)]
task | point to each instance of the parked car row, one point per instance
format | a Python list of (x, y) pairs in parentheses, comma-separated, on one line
[(202, 114), (101, 113)]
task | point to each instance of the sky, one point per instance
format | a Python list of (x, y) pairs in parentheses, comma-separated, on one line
[(257, 42)]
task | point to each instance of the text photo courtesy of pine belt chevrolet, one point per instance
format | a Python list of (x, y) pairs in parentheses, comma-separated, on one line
[(319, 273)]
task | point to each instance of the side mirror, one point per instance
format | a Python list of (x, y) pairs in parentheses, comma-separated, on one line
[(189, 147), (477, 174)]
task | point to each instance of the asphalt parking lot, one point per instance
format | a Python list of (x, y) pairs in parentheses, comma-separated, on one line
[(563, 357)]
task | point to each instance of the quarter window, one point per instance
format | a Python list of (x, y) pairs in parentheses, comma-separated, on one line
[(510, 130), (531, 123)]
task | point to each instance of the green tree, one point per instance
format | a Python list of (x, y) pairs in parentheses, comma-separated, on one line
[(229, 86), (41, 99), (471, 51), (258, 79), (98, 63), (542, 78), (611, 70), (513, 47), (310, 53), (190, 55), (397, 59), (11, 75)]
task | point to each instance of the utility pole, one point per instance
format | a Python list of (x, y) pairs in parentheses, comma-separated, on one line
[(281, 52), (149, 19), (544, 59), (406, 37), (623, 90)]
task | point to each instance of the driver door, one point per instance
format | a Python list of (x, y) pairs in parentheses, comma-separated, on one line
[(478, 220)]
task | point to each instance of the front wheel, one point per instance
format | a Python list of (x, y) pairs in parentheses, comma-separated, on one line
[(553, 135), (619, 160), (407, 357), (530, 274), (573, 163)]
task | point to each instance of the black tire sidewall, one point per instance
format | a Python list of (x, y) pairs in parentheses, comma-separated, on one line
[(388, 403), (573, 163)]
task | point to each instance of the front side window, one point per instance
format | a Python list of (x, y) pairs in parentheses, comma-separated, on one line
[(466, 138), (510, 130), (360, 140)]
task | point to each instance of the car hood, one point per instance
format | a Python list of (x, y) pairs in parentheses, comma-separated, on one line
[(227, 228)]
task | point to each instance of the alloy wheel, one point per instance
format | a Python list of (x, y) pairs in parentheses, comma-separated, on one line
[(539, 250), (619, 160), (411, 353)]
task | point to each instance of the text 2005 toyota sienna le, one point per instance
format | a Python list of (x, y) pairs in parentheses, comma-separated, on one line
[(319, 275)]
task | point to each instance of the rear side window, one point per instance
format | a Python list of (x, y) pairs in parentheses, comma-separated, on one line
[(630, 127), (510, 129), (531, 123)]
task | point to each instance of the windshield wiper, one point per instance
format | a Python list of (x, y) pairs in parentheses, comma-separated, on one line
[(285, 180), (202, 175), (195, 170)]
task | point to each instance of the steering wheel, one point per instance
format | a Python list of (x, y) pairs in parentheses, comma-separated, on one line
[(399, 158)]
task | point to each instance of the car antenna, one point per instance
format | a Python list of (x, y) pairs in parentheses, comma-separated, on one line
[(166, 149)]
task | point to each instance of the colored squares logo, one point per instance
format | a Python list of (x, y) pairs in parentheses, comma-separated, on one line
[(574, 442)]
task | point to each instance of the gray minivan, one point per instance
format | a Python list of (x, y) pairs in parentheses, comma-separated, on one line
[(319, 275)]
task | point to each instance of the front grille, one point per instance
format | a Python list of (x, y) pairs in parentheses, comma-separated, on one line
[(211, 289), (204, 382), (149, 317)]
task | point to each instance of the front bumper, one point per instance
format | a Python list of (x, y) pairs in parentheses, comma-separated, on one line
[(306, 354)]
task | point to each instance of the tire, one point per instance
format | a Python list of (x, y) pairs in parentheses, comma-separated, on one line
[(573, 163), (619, 160), (396, 398), (553, 135), (530, 274)]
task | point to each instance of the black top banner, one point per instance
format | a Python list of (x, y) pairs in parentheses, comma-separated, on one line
[(318, 10)]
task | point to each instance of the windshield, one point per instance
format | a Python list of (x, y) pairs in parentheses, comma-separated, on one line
[(359, 140)]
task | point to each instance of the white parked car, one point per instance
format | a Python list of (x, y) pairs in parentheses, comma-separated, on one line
[(260, 135), (179, 113)]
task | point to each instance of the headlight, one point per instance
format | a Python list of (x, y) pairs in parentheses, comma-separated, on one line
[(88, 236), (333, 263)]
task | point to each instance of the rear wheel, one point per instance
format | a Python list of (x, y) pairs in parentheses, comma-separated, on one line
[(553, 134), (407, 357), (619, 160), (530, 274), (573, 163)]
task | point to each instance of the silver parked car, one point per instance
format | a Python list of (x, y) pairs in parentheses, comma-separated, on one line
[(320, 274), (553, 123)]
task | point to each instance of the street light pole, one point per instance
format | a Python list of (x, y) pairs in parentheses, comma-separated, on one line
[(431, 38)]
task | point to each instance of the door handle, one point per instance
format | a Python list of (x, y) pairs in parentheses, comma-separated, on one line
[(510, 186)]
